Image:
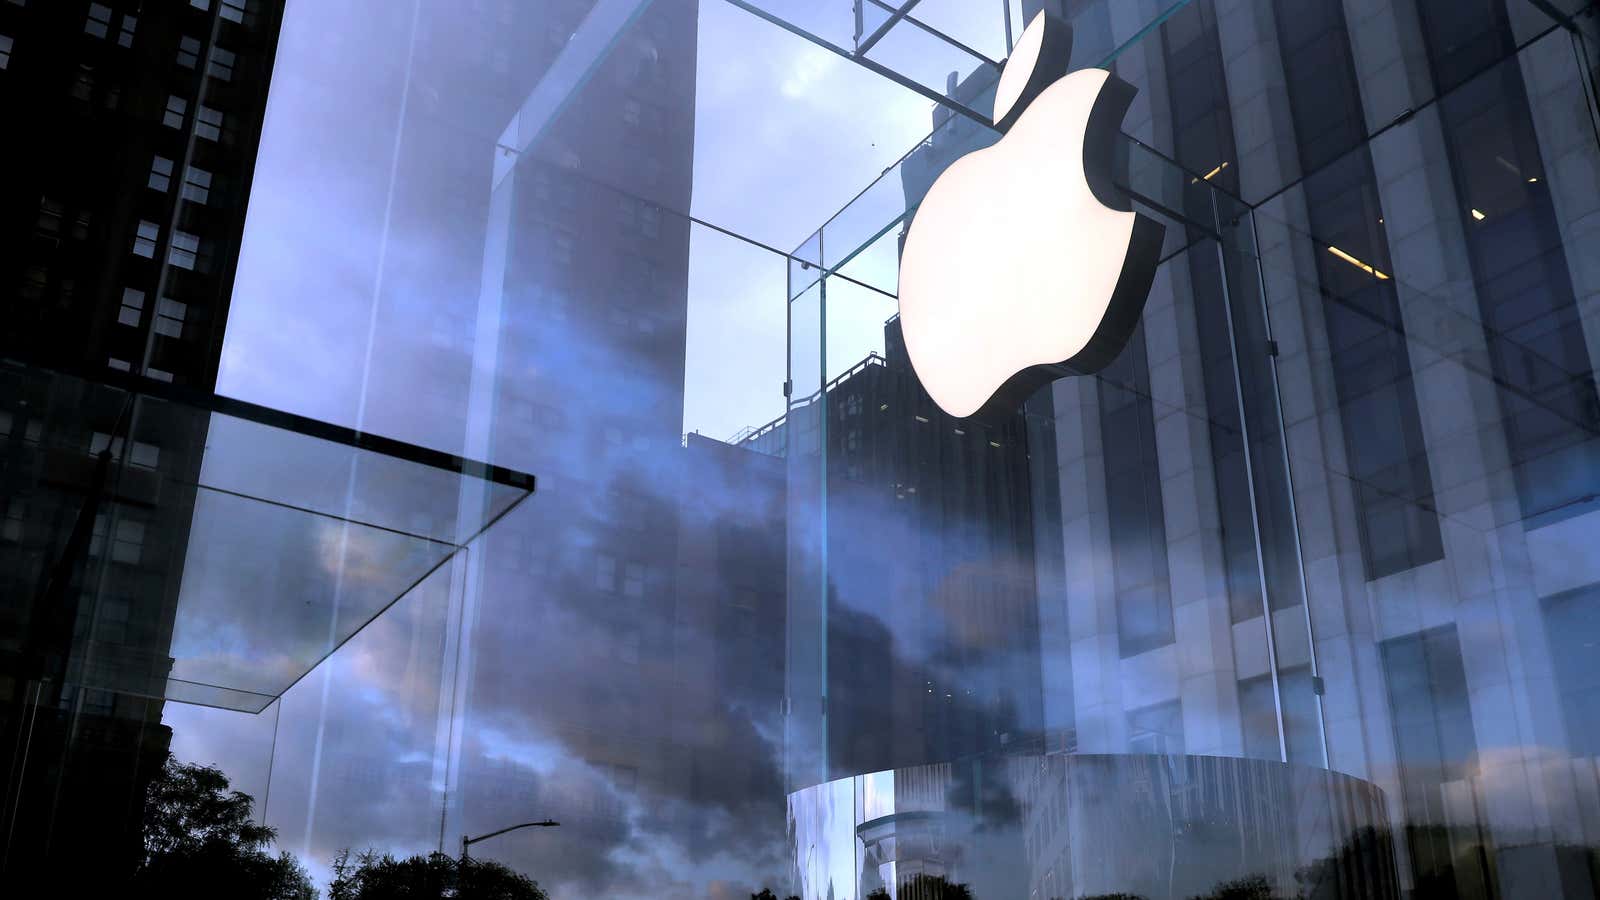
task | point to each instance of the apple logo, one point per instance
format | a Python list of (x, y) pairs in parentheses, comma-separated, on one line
[(1022, 264)]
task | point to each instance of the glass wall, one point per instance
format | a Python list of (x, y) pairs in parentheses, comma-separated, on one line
[(430, 419)]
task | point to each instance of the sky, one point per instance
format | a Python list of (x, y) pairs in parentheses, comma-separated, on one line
[(353, 304)]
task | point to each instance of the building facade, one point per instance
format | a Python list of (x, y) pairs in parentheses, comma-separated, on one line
[(123, 213)]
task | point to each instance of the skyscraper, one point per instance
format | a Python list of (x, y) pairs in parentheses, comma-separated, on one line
[(124, 210)]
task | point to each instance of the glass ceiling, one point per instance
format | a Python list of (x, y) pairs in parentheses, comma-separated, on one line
[(294, 533)]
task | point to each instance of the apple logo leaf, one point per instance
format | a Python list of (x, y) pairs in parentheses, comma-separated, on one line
[(1025, 262)]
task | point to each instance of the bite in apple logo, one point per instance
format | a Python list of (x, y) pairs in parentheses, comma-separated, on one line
[(1024, 263)]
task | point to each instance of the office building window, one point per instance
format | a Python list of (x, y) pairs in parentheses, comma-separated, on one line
[(1387, 461), (1543, 375), (5, 51), (11, 527), (169, 317), (1435, 744), (185, 247), (132, 307), (1302, 734), (1572, 625), (100, 442), (233, 10), (144, 455), (83, 85), (196, 185), (144, 241), (188, 51), (160, 174), (127, 541), (50, 216), (208, 123), (176, 108), (111, 620), (1133, 501), (98, 23), (129, 24), (222, 64), (1156, 729)]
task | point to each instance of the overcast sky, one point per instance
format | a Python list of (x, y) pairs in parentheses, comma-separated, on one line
[(349, 297)]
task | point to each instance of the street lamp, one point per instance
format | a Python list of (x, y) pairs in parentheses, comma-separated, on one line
[(469, 841)]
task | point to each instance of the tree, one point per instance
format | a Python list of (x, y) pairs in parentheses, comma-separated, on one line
[(767, 894), (199, 841), (371, 876)]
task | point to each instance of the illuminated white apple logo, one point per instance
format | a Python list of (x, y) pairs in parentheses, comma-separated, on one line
[(1024, 262)]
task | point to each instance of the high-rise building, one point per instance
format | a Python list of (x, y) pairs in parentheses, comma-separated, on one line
[(123, 213)]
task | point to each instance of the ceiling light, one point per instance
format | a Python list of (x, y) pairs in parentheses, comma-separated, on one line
[(1357, 263), (1478, 215), (922, 419)]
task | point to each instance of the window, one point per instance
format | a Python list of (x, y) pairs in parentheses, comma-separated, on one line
[(111, 624), (160, 174), (158, 374), (1156, 729), (99, 442), (128, 544), (99, 22), (196, 185), (34, 282), (11, 528), (188, 52), (1572, 625), (208, 123), (1434, 740), (222, 64), (1389, 471), (5, 51), (144, 455), (129, 23), (200, 4), (50, 215), (632, 111), (169, 317), (132, 307), (144, 243), (176, 108), (633, 580), (83, 86), (1134, 506), (185, 246), (233, 10)]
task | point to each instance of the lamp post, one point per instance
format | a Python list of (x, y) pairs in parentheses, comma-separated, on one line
[(469, 841)]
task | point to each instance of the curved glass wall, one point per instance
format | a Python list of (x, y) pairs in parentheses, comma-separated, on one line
[(444, 416)]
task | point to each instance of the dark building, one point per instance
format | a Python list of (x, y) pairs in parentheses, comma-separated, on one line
[(592, 310), (123, 207), (932, 620)]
